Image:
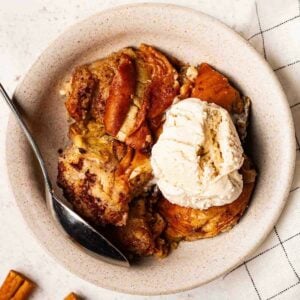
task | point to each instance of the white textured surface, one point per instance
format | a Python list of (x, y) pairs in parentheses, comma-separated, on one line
[(27, 28)]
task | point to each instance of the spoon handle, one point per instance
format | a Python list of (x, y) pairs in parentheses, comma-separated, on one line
[(28, 135), (77, 228)]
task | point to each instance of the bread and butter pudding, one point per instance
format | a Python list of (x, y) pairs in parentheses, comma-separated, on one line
[(156, 150)]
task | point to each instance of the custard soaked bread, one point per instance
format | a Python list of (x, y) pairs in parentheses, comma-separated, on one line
[(143, 234), (115, 103), (118, 105), (128, 92)]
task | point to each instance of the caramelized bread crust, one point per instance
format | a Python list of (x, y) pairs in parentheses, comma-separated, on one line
[(82, 92), (142, 233), (164, 85), (121, 92), (212, 86), (128, 91)]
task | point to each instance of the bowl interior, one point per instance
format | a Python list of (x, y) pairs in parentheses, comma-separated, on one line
[(191, 37)]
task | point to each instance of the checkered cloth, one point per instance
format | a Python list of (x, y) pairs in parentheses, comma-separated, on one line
[(273, 272)]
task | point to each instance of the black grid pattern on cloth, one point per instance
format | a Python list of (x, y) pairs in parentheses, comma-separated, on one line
[(287, 65), (260, 30), (285, 253), (271, 28), (281, 243), (253, 283)]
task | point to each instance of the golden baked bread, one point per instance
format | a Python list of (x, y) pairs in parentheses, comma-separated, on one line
[(128, 92), (118, 106), (100, 175), (212, 86)]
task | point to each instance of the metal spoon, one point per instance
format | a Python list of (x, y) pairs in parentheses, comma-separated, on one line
[(77, 229)]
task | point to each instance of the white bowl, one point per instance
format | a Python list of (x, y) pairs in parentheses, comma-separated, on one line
[(192, 37)]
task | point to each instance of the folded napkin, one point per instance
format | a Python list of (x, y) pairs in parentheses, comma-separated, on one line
[(273, 272)]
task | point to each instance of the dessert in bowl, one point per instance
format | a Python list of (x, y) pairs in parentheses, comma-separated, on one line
[(193, 38), (156, 151)]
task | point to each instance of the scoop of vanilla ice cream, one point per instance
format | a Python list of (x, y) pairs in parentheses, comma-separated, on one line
[(197, 157)]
